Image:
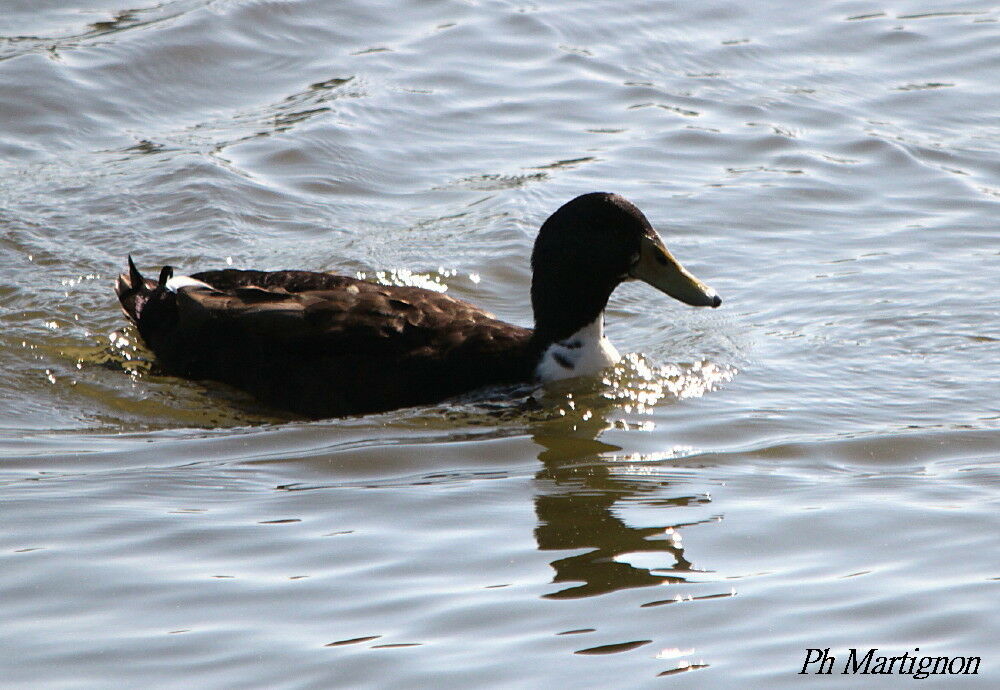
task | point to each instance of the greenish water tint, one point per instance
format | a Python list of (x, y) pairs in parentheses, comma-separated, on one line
[(816, 464)]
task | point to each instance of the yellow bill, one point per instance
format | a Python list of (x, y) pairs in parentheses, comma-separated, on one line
[(659, 268)]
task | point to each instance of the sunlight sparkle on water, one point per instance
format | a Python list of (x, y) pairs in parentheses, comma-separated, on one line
[(674, 653), (637, 384), (406, 277)]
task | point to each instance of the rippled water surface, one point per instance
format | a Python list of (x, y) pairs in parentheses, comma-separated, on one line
[(816, 464)]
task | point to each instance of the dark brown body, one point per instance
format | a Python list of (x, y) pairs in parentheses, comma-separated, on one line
[(325, 345)]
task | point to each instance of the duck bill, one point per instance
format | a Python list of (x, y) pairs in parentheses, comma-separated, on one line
[(660, 269)]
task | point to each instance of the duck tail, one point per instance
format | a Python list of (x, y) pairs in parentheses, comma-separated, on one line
[(134, 291)]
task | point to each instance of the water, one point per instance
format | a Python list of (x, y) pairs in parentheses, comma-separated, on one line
[(813, 465)]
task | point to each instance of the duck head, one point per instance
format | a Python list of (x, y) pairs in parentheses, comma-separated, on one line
[(586, 249)]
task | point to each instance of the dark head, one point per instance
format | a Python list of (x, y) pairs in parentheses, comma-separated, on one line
[(589, 246)]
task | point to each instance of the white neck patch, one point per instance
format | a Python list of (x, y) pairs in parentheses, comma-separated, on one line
[(585, 353)]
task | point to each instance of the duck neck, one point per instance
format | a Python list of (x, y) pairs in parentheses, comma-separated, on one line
[(563, 310)]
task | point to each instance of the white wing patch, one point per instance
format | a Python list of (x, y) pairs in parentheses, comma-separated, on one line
[(585, 353), (179, 282)]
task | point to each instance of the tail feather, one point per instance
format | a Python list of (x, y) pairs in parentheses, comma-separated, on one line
[(133, 291), (135, 278)]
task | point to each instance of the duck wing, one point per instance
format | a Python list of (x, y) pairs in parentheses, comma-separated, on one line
[(325, 345)]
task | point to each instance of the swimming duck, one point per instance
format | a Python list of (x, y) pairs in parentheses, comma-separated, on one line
[(325, 345)]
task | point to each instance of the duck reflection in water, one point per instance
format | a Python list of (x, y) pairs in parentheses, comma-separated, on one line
[(578, 490)]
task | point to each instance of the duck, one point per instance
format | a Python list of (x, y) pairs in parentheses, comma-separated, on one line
[(322, 345)]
